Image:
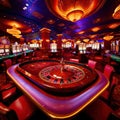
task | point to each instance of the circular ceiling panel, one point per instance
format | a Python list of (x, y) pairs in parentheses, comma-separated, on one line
[(74, 10)]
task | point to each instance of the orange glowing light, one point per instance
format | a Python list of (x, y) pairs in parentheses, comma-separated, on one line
[(14, 30), (92, 36), (114, 25), (95, 29), (86, 40), (47, 40), (78, 41), (75, 15), (81, 32), (108, 37), (14, 23), (17, 36), (116, 14)]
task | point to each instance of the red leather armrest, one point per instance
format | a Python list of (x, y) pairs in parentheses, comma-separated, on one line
[(3, 109), (7, 87), (7, 113)]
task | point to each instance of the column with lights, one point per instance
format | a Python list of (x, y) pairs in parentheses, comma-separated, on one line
[(59, 41), (59, 44), (45, 36), (107, 45)]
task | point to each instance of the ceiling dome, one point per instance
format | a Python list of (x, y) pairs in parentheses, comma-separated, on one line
[(74, 10)]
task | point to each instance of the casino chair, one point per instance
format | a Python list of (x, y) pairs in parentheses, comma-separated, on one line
[(8, 93), (37, 54), (20, 59), (20, 109), (115, 98), (99, 110), (109, 74), (92, 63), (108, 71), (6, 64), (28, 56), (106, 95), (8, 90)]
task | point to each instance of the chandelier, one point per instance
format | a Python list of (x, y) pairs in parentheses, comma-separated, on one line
[(116, 14), (17, 36), (73, 10), (14, 31), (108, 37)]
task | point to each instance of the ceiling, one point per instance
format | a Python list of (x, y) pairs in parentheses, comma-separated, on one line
[(32, 15)]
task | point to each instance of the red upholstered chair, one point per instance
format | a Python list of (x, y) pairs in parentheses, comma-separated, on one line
[(115, 98), (28, 56), (6, 64), (21, 109), (99, 110), (8, 93), (8, 90), (106, 95), (37, 55), (20, 59), (108, 71), (92, 64)]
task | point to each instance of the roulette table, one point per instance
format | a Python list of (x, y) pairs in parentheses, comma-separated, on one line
[(56, 77), (61, 89)]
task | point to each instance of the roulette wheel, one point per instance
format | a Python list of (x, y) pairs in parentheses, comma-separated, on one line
[(58, 76)]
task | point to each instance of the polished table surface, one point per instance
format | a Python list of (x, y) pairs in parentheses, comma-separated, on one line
[(59, 107), (113, 57)]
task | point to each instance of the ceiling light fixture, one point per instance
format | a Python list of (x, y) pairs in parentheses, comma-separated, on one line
[(17, 36), (108, 37), (14, 30), (86, 40), (73, 10), (95, 29), (116, 14)]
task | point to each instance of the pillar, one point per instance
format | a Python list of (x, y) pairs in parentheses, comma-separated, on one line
[(107, 45), (45, 36), (59, 41), (72, 42)]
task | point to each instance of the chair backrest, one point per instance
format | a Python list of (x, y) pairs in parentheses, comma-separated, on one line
[(98, 110), (23, 107), (92, 64), (20, 109), (6, 113), (74, 60), (7, 63), (108, 71)]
